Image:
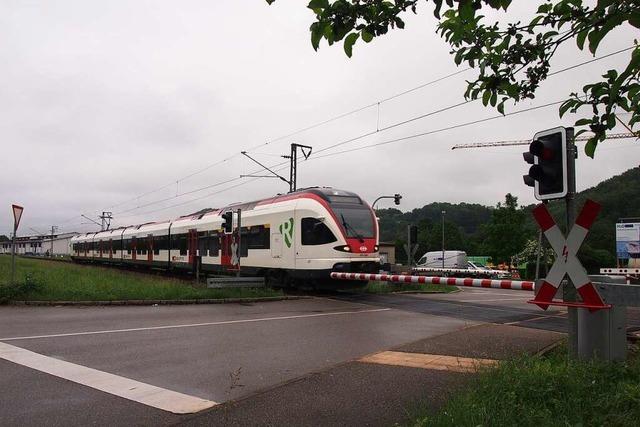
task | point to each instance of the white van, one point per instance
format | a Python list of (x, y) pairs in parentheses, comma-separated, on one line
[(452, 259)]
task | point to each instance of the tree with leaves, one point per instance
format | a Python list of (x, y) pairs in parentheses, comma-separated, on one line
[(505, 234), (513, 59)]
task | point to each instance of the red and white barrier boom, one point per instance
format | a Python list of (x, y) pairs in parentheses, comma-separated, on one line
[(566, 262), (452, 281)]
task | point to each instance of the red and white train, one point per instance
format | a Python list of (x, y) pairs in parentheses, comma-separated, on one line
[(296, 238)]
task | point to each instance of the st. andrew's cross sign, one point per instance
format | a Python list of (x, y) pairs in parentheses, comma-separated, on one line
[(567, 262)]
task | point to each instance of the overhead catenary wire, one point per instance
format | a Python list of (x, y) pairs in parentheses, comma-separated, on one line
[(431, 132), (412, 119), (296, 132), (349, 113), (175, 182), (395, 140)]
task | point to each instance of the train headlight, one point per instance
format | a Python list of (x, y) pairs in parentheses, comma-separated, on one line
[(375, 248), (342, 248)]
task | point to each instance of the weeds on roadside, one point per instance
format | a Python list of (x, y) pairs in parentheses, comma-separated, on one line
[(542, 391), (52, 281)]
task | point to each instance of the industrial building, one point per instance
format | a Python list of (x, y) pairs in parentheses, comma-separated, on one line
[(42, 245)]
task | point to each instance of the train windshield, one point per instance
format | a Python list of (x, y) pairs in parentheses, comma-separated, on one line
[(356, 220)]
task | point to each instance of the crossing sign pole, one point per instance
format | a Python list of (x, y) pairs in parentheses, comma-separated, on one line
[(569, 292), (566, 249), (17, 214)]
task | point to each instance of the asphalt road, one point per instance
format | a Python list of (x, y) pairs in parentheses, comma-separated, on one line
[(223, 352)]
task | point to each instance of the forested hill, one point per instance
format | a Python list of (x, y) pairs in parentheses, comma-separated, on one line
[(620, 198), (467, 217), (467, 225)]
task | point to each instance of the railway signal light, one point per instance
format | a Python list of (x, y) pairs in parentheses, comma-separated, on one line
[(227, 221), (396, 198), (548, 156)]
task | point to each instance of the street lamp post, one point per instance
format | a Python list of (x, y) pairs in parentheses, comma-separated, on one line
[(396, 199), (443, 212)]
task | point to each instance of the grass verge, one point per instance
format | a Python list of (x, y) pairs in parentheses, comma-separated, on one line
[(546, 391), (387, 288), (39, 280)]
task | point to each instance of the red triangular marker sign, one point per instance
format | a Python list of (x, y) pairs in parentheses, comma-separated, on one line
[(17, 214)]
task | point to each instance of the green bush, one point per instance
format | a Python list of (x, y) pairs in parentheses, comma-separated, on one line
[(9, 292)]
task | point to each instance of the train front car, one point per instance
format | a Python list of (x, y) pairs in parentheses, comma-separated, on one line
[(338, 232)]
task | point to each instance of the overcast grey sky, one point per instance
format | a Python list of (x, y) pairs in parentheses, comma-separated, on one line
[(101, 102)]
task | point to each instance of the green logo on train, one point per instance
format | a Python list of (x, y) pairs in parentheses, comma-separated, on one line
[(286, 229)]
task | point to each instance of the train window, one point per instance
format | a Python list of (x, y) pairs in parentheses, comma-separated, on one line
[(179, 243), (344, 199), (244, 242), (141, 246), (315, 232), (357, 222), (214, 244), (203, 243), (257, 237), (161, 243)]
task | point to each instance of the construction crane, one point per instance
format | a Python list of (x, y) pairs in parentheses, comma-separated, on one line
[(528, 141)]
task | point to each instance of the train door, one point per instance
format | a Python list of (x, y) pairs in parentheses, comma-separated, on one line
[(192, 245), (150, 248), (225, 250), (134, 247), (276, 245)]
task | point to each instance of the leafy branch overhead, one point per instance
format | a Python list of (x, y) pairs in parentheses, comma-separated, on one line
[(513, 59)]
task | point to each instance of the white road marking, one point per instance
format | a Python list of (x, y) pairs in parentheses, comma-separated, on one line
[(191, 325), (535, 318), (126, 388), (492, 300), (488, 291)]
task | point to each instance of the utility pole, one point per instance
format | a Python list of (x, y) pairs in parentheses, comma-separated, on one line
[(106, 218), (53, 230), (293, 165)]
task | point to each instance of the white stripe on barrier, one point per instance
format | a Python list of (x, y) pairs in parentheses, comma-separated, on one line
[(451, 281)]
